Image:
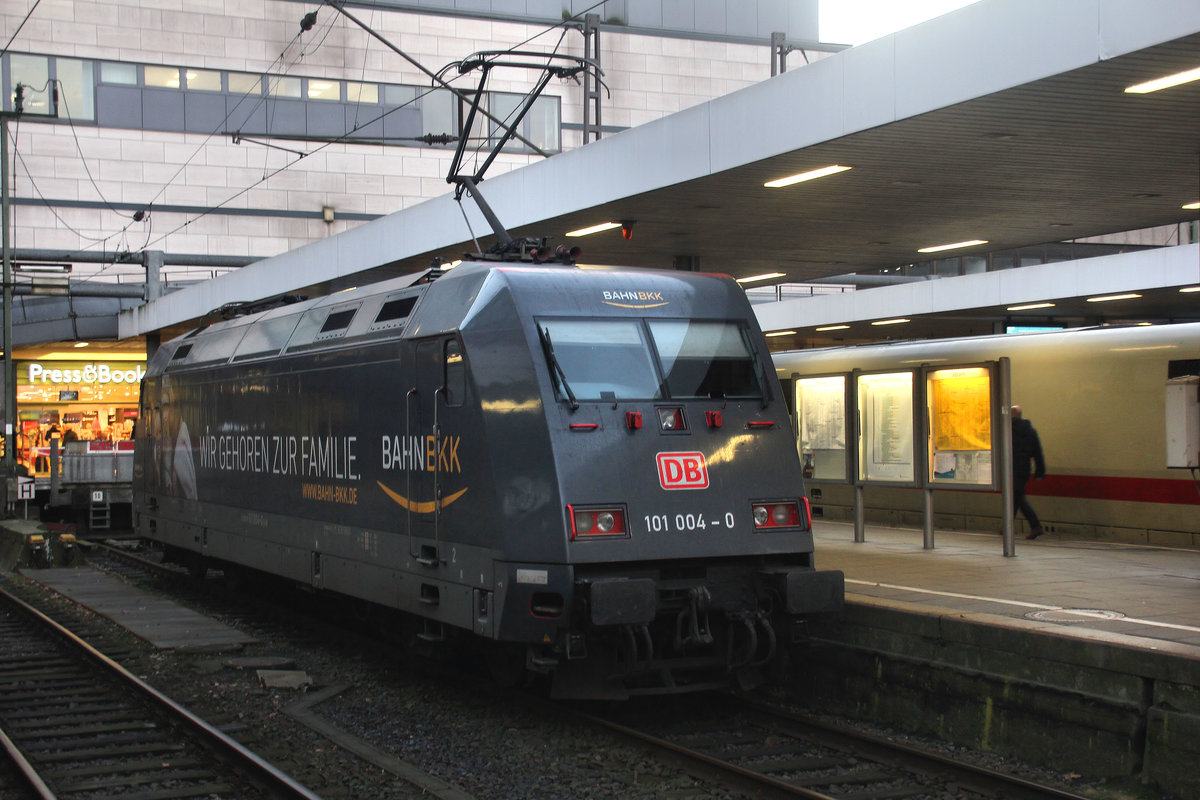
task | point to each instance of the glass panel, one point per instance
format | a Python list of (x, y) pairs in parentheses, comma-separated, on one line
[(33, 73), (283, 87), (821, 415), (324, 90), (217, 346), (886, 446), (395, 310), (362, 92), (706, 359), (267, 337), (338, 320), (77, 99), (503, 107), (241, 83), (960, 419), (973, 265), (166, 77), (125, 74), (601, 359), (543, 125), (203, 80), (437, 112), (399, 95)]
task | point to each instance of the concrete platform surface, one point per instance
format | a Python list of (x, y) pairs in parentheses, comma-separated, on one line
[(166, 625), (1142, 596)]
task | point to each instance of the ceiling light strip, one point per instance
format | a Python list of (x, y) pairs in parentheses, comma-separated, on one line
[(603, 226), (937, 248), (778, 183), (1030, 306), (1107, 297), (766, 276), (1165, 82)]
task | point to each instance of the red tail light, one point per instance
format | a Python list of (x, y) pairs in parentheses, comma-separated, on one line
[(780, 514), (592, 522)]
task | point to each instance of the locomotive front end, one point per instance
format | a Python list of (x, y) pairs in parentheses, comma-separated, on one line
[(685, 528)]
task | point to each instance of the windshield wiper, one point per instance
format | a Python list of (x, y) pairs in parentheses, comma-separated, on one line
[(548, 347)]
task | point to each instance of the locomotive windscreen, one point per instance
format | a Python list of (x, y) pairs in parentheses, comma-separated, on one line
[(629, 359), (705, 359)]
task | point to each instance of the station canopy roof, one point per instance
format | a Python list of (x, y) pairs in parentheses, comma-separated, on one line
[(1006, 121)]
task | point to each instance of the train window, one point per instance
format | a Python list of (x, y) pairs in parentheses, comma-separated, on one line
[(394, 312), (337, 321), (706, 359), (456, 374), (215, 346), (266, 338), (600, 359)]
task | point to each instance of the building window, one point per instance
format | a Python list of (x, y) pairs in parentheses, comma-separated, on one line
[(203, 80), (33, 73), (162, 77), (166, 98), (241, 83)]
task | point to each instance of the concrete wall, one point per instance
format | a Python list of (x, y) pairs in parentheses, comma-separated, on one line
[(1096, 704)]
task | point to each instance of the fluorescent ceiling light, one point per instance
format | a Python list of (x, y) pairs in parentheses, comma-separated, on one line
[(940, 247), (805, 176), (1190, 289), (603, 226), (833, 327), (890, 321), (766, 276), (1165, 82), (781, 333), (1192, 206), (81, 344), (1107, 297), (1029, 306)]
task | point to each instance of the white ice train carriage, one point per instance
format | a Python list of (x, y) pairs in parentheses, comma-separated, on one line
[(591, 470)]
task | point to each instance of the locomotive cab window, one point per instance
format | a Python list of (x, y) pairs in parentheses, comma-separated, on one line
[(600, 359), (706, 359)]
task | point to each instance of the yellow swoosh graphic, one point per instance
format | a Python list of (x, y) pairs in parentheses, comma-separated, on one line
[(625, 305), (420, 507)]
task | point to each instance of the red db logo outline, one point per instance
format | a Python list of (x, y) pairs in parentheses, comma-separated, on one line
[(682, 471)]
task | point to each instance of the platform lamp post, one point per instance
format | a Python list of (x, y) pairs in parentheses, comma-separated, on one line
[(10, 382)]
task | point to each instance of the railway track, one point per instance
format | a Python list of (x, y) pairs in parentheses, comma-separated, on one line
[(768, 752), (759, 751), (85, 727)]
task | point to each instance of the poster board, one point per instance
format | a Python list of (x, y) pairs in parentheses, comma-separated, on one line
[(822, 423), (885, 405), (960, 426)]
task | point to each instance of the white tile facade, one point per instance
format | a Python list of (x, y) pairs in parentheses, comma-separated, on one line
[(648, 76)]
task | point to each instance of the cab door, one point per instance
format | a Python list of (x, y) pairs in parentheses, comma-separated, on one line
[(433, 408)]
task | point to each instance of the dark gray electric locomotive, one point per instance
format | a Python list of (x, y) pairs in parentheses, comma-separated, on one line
[(591, 468)]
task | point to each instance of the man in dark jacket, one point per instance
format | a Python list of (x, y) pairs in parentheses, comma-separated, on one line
[(1026, 447)]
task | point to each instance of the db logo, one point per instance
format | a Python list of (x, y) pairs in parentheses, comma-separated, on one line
[(682, 471)]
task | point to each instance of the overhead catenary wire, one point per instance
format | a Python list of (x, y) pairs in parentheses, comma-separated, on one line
[(12, 38)]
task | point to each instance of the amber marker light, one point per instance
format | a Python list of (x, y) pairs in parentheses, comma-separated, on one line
[(937, 248), (1107, 297), (1030, 306), (1165, 82), (766, 276), (603, 226), (801, 177)]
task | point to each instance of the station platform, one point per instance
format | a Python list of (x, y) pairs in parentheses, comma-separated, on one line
[(1132, 595)]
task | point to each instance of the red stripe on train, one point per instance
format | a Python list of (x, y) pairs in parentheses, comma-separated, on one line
[(1139, 490)]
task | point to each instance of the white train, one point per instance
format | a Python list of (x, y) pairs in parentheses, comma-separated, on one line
[(1097, 397)]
